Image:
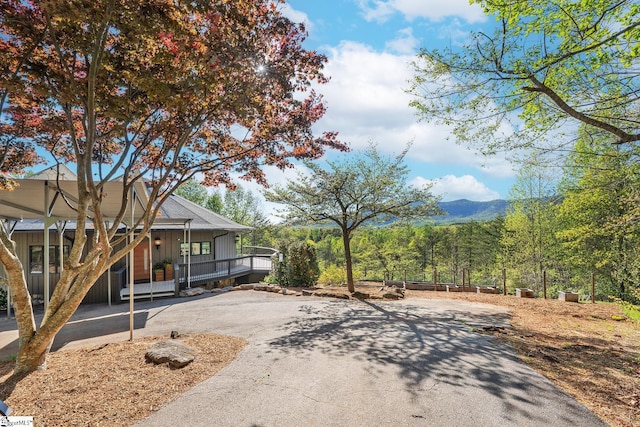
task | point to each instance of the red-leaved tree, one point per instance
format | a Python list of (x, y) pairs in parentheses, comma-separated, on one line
[(144, 90)]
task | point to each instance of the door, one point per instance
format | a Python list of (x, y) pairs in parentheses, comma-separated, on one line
[(141, 269)]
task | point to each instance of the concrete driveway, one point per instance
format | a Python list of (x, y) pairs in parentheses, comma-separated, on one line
[(326, 362)]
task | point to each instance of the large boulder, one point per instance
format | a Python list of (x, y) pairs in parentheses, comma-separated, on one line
[(176, 354)]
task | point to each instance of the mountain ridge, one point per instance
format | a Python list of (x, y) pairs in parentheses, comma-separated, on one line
[(464, 210)]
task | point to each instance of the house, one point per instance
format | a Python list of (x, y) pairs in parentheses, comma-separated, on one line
[(194, 246)]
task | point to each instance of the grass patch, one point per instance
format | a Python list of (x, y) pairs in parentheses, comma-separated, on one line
[(632, 312)]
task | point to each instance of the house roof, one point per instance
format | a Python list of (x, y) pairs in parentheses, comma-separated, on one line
[(176, 211), (27, 203), (29, 199)]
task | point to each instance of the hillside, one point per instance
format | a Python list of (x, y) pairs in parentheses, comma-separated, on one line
[(466, 211)]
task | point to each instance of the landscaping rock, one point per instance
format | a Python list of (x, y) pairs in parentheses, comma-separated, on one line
[(191, 292), (330, 294), (392, 295), (568, 296), (524, 293), (176, 354), (394, 283), (360, 295)]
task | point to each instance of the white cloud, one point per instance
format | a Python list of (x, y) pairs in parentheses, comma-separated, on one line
[(367, 102), (452, 187), (296, 16), (405, 44), (434, 10)]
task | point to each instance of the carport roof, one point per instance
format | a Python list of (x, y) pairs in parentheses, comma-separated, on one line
[(29, 202), (29, 199)]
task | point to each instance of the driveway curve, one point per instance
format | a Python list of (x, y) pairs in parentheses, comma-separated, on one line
[(325, 362)]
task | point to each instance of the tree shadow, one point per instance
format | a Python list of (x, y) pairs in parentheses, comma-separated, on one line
[(425, 346), (93, 320)]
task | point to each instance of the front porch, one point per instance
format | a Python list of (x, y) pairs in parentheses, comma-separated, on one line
[(198, 273)]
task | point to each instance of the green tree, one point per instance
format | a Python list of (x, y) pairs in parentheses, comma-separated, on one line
[(598, 230), (245, 208), (214, 202), (361, 189), (299, 265), (193, 191), (530, 226), (425, 243), (547, 67)]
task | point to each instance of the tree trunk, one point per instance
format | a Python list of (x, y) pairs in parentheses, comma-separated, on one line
[(20, 296), (347, 257)]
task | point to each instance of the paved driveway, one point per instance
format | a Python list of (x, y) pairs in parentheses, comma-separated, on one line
[(326, 362)]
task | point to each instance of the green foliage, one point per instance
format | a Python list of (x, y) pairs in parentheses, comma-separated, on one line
[(193, 191), (333, 275), (598, 230), (546, 67), (528, 238), (214, 202), (361, 189), (243, 207), (299, 265)]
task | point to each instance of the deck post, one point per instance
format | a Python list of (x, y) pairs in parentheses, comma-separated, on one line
[(176, 280)]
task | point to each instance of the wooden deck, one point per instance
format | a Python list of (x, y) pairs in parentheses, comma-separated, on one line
[(201, 273), (165, 288)]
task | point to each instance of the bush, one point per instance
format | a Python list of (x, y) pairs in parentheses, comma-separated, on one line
[(299, 266), (333, 275)]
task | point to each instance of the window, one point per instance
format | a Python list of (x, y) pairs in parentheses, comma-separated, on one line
[(206, 248), (195, 248), (36, 258), (184, 249)]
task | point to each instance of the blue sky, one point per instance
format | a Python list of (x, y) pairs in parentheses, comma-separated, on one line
[(369, 44)]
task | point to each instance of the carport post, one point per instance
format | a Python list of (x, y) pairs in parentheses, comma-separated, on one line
[(45, 267)]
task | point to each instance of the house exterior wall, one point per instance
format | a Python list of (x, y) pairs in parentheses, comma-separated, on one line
[(206, 245)]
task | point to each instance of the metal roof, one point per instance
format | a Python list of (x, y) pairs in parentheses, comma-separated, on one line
[(34, 198), (176, 209), (47, 190)]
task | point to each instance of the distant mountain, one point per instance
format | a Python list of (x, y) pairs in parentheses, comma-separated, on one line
[(466, 211)]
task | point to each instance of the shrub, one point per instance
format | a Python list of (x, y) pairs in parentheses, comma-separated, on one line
[(333, 275), (299, 266)]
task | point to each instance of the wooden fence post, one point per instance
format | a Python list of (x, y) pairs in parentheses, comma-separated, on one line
[(463, 279), (544, 283), (435, 279), (504, 281), (593, 288)]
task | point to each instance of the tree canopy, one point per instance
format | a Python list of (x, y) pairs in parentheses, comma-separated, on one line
[(547, 67), (148, 90), (360, 189)]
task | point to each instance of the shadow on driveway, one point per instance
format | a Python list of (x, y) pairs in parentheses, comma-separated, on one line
[(427, 346)]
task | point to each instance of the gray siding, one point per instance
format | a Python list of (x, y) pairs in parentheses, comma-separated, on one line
[(222, 246)]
